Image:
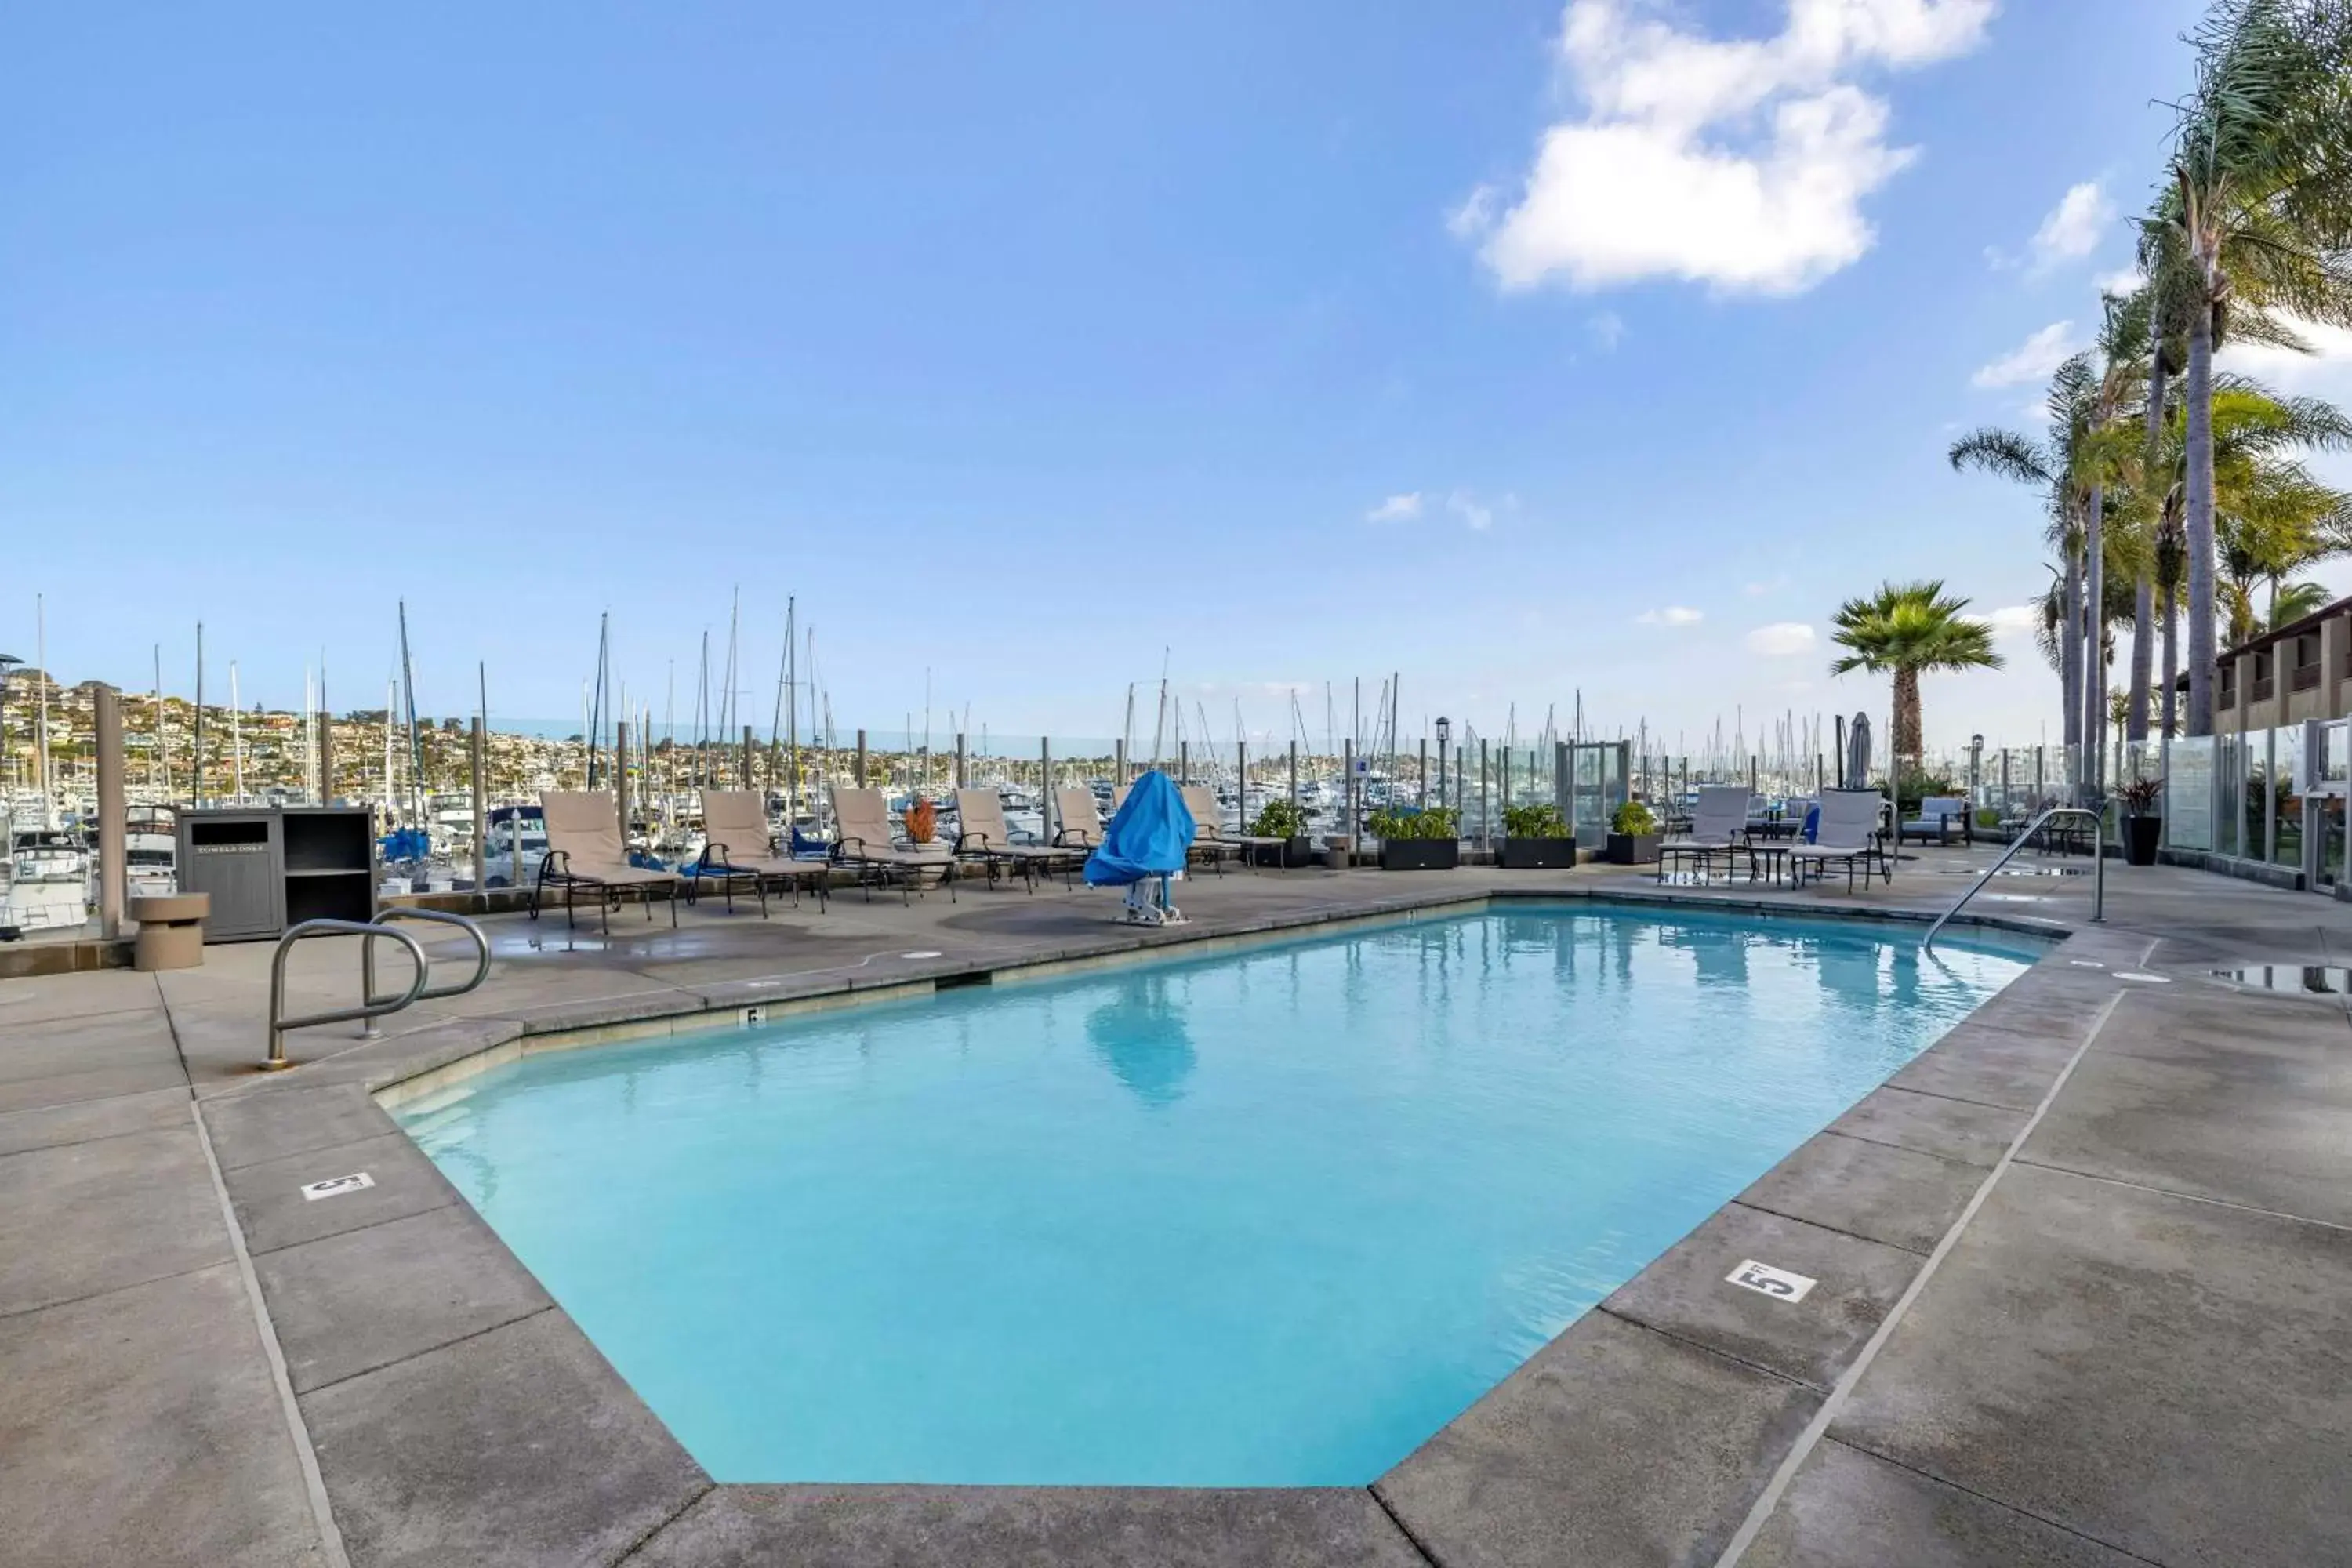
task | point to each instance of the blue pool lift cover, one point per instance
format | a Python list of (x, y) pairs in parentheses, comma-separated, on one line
[(1149, 837)]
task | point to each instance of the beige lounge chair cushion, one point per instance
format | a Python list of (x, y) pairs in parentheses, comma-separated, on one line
[(863, 815), (1081, 819), (738, 819), (981, 814), (584, 827), (735, 821)]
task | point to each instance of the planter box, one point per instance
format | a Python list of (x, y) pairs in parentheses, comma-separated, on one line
[(1634, 849), (1539, 854), (2141, 836), (1420, 854), (1291, 852)]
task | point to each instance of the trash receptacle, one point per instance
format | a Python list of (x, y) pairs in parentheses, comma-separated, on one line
[(170, 930)]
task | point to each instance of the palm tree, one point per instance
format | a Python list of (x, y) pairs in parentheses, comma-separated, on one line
[(2054, 467), (2259, 216), (2106, 461), (1910, 629), (2272, 517)]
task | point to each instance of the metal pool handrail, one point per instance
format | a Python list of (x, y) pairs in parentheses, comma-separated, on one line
[(371, 1005), (2098, 869), (430, 993), (367, 930)]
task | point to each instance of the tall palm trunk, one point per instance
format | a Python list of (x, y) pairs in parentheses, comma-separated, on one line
[(2143, 655), (2095, 638), (2171, 658), (2070, 654), (1905, 716), (2199, 529), (2143, 585)]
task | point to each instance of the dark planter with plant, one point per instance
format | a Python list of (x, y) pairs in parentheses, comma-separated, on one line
[(1536, 839), (2143, 823), (1417, 840), (1634, 835), (1281, 819)]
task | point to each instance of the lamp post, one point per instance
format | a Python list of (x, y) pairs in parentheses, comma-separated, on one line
[(1975, 766), (1445, 729)]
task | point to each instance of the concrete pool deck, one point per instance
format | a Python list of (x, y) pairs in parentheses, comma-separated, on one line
[(2083, 1269)]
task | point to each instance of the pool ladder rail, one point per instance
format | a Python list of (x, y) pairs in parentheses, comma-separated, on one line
[(2098, 868), (373, 1005)]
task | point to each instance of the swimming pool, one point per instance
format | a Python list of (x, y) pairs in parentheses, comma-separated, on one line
[(1268, 1217)]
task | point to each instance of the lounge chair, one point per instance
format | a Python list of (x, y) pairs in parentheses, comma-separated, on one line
[(985, 837), (1081, 828), (1209, 834), (584, 850), (1848, 831), (1209, 845), (1718, 825), (1938, 815), (862, 841), (739, 847)]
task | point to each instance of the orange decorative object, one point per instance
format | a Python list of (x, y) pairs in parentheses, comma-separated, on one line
[(922, 820)]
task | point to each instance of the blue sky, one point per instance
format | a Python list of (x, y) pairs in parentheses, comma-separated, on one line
[(1021, 341)]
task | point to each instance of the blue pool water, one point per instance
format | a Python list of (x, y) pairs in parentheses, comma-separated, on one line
[(1267, 1218)]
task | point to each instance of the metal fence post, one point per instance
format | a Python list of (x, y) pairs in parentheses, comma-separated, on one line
[(621, 783), (112, 816), (1048, 808), (481, 809), (1348, 790)]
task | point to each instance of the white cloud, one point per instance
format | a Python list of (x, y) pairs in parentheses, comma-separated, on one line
[(1672, 616), (1401, 508), (1475, 215), (1608, 329), (1471, 510), (1780, 640), (2325, 371), (2031, 360), (1758, 589), (2123, 280), (2012, 620), (2075, 226), (1739, 163)]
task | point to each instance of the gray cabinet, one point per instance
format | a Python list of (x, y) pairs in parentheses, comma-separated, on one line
[(269, 869)]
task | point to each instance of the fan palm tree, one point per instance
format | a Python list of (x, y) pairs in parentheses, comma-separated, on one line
[(1909, 629), (2258, 219)]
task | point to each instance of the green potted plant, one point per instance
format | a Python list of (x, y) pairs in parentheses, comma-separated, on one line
[(2143, 819), (1283, 820), (1417, 840), (1633, 836), (1536, 839)]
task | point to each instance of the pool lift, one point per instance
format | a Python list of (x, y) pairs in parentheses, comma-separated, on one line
[(1144, 849)]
